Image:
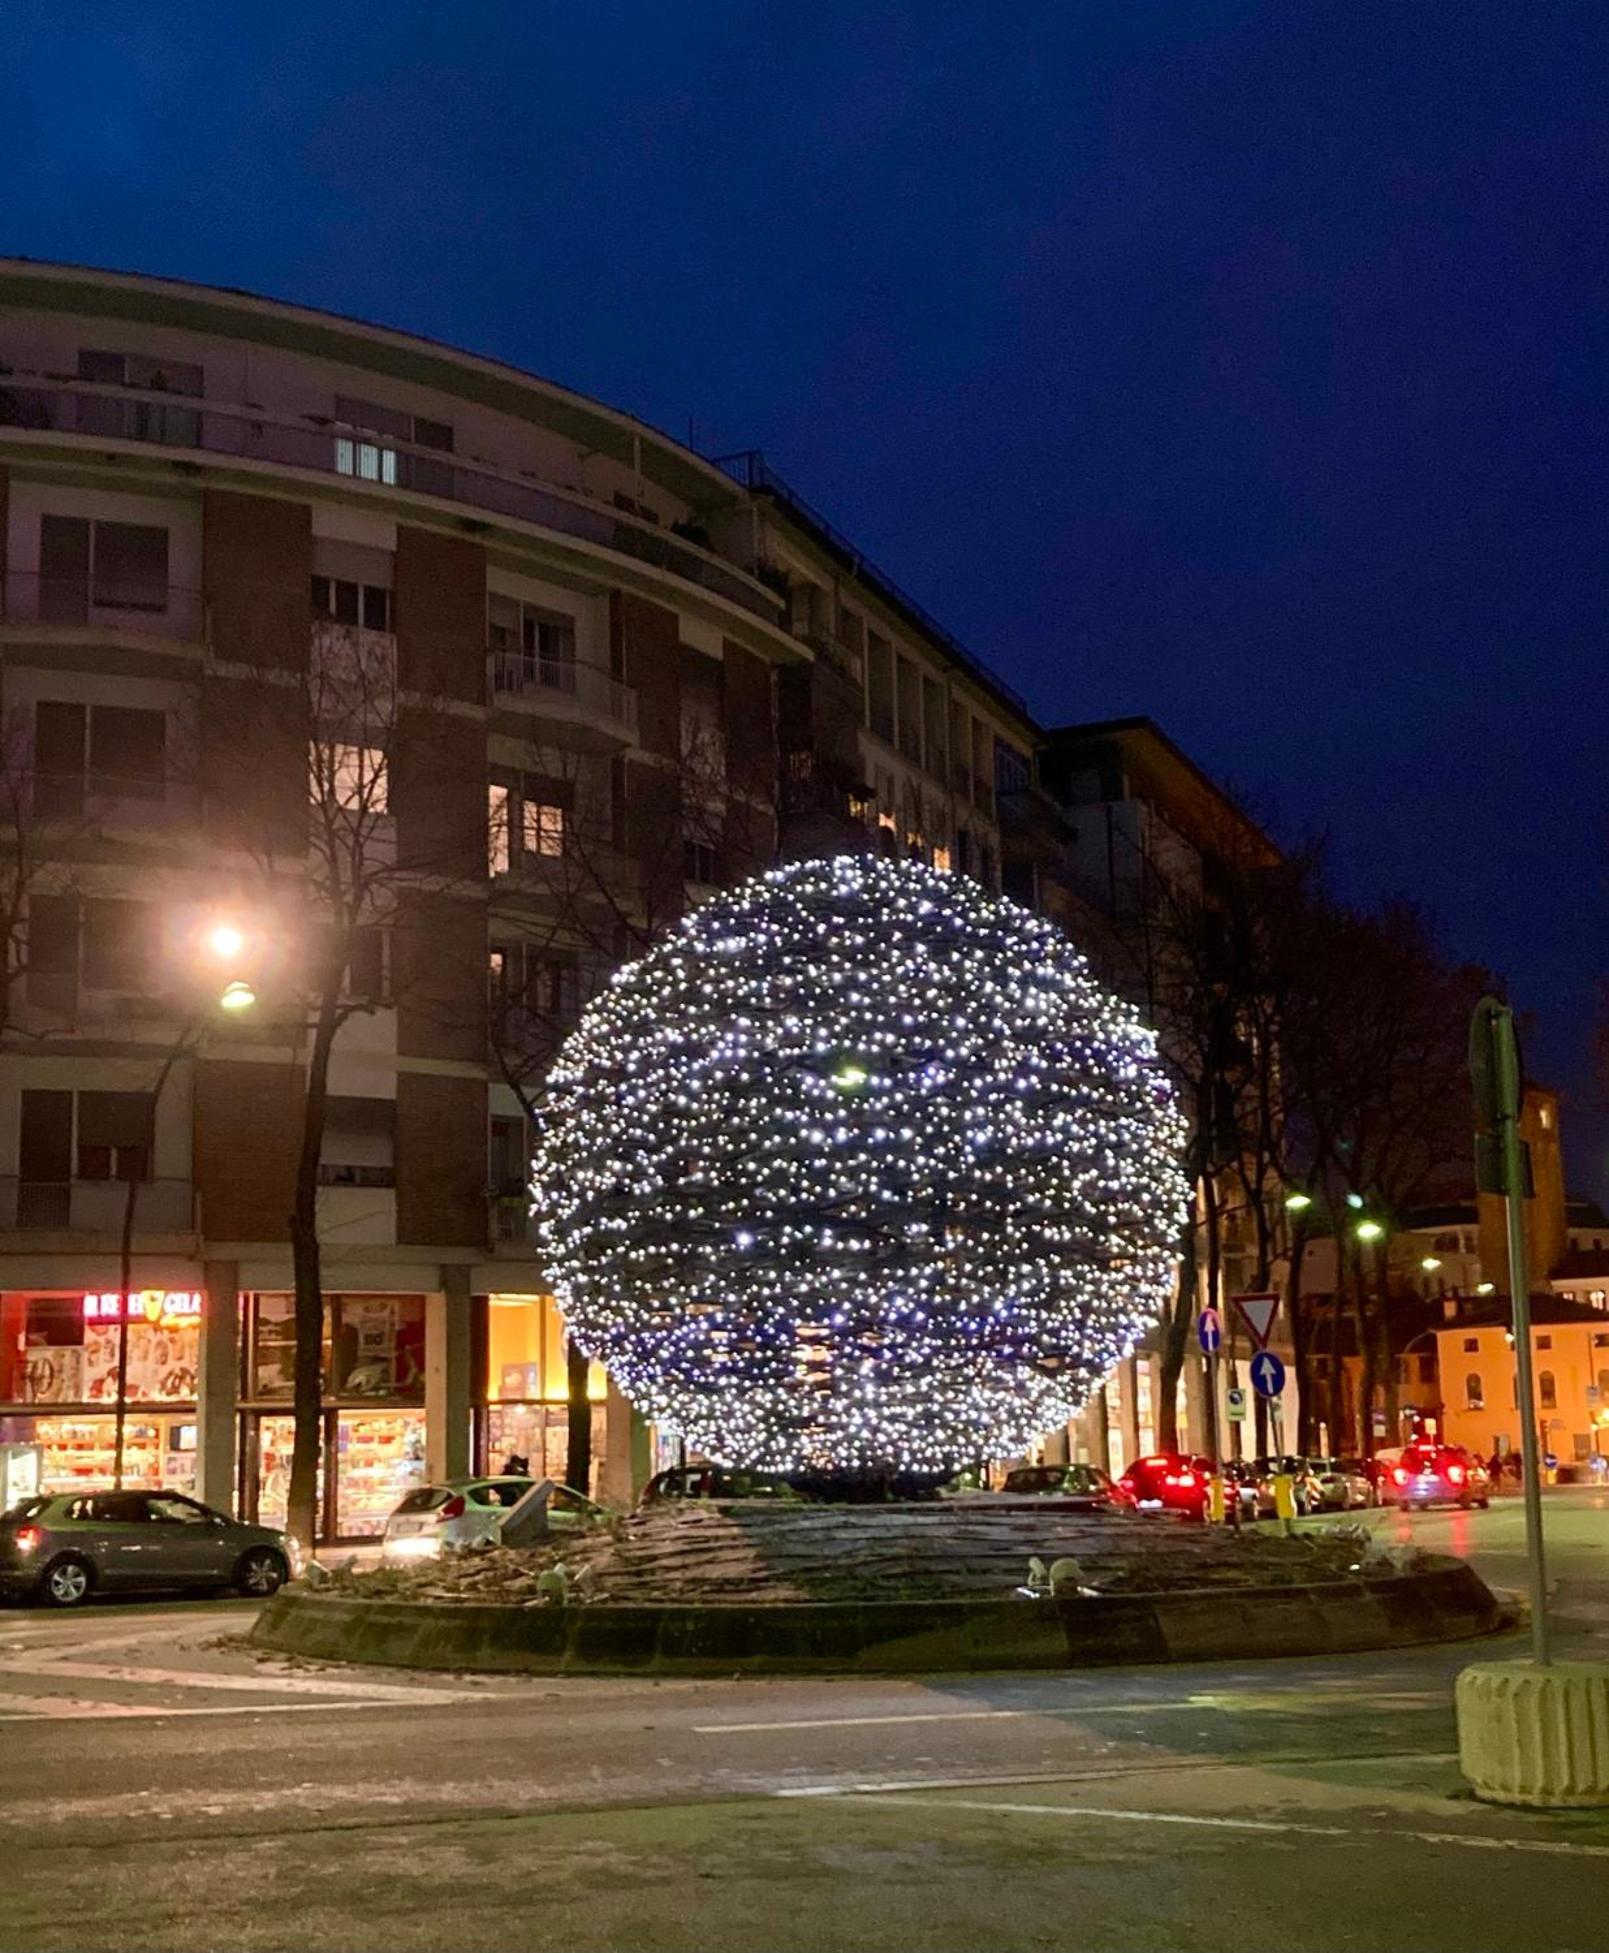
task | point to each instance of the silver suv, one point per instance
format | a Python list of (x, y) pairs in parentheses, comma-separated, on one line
[(61, 1547)]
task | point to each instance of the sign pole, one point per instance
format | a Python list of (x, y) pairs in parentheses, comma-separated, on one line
[(1499, 1094)]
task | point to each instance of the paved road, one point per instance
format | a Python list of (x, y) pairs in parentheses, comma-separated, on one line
[(165, 1789)]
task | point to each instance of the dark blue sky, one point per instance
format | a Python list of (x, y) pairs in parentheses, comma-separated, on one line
[(1239, 364)]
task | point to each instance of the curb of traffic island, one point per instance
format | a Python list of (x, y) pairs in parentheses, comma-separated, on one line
[(1445, 1602)]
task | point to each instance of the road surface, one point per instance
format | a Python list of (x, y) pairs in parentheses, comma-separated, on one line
[(166, 1789)]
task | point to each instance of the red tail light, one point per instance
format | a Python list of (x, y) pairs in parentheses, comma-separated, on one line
[(1455, 1474), (1185, 1478), (27, 1538), (454, 1508), (1399, 1474)]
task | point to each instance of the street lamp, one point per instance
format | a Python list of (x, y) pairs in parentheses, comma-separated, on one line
[(1298, 1202), (226, 941), (1368, 1230), (237, 995), (1430, 1263)]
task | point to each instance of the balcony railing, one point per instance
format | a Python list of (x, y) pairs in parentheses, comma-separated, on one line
[(38, 401), (159, 609), (510, 1218), (97, 1206), (587, 691)]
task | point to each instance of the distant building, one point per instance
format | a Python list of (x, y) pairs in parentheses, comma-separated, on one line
[(1480, 1379)]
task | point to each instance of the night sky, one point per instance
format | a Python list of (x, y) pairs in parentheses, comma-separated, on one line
[(1241, 365)]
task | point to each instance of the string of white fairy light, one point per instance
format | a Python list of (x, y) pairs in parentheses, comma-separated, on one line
[(859, 1168)]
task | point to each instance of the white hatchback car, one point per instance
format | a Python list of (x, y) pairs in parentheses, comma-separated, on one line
[(471, 1511)]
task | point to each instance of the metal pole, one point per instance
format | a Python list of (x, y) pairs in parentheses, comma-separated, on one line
[(1506, 1062)]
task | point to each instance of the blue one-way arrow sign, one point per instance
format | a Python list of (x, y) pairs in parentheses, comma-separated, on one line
[(1209, 1330), (1267, 1374)]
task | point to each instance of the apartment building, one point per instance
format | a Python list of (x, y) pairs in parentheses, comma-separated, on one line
[(307, 620)]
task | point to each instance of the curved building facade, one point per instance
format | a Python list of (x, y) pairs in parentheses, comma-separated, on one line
[(541, 675)]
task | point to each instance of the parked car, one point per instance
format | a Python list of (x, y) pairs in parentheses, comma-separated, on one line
[(1169, 1481), (1375, 1473), (1084, 1486), (61, 1547), (464, 1512), (1340, 1488), (715, 1482), (1241, 1484), (1440, 1474)]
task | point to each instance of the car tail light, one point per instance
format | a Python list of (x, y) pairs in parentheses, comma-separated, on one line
[(1455, 1474), (1185, 1478), (27, 1538), (1399, 1474), (454, 1508)]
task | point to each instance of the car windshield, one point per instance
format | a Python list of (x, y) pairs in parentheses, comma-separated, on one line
[(24, 1509)]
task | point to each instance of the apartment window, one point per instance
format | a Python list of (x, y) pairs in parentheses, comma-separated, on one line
[(542, 826), (139, 420), (1471, 1345), (365, 978), (1600, 1342), (698, 862), (963, 851), (1544, 1342), (1603, 1387), (1548, 1390), (347, 777), (530, 645), (1446, 1243), (108, 749), (941, 860), (497, 829), (1597, 1297), (1012, 769), (880, 686), (541, 981), (338, 600), (119, 944), (908, 681), (368, 452), (508, 1161), (114, 1134), (1474, 1395), (112, 565)]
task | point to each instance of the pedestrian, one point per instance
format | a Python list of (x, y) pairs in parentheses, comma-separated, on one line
[(516, 1465)]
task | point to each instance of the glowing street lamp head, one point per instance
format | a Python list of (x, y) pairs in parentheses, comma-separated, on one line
[(1354, 1200), (1368, 1230), (225, 941), (1298, 1202), (237, 996), (1486, 1288), (1430, 1264)]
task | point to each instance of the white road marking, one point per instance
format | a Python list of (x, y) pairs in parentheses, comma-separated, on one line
[(1472, 1840), (1252, 1704), (187, 1678), (67, 1709)]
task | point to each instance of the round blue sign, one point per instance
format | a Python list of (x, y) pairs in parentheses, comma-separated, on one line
[(1267, 1374)]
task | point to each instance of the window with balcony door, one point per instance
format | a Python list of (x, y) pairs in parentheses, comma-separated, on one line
[(89, 942), (86, 564), (139, 420), (1474, 1395), (366, 448), (530, 645), (1548, 1390), (118, 751), (339, 600), (699, 863), (542, 828), (348, 777)]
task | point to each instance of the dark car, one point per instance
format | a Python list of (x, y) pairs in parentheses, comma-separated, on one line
[(1085, 1486), (1169, 1481), (61, 1547), (1439, 1474), (715, 1482)]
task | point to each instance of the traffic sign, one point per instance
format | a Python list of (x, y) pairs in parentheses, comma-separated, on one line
[(1237, 1406), (1257, 1312), (1377, 1423), (1267, 1374), (1209, 1330)]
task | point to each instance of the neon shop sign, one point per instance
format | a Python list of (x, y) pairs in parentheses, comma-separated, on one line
[(168, 1308)]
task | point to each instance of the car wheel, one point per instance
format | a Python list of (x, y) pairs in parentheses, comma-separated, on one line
[(260, 1572), (66, 1582)]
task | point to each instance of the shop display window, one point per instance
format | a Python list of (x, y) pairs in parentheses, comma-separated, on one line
[(274, 1436), (379, 1459), (158, 1452), (62, 1349), (374, 1346)]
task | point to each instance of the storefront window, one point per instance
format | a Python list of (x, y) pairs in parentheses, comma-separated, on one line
[(374, 1346), (274, 1437), (527, 1386), (380, 1458)]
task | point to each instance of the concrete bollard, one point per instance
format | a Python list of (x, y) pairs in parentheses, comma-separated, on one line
[(1538, 1736)]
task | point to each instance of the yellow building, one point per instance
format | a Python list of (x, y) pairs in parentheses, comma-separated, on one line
[(1479, 1382)]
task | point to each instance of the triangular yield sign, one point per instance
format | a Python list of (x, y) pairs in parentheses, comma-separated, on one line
[(1257, 1312)]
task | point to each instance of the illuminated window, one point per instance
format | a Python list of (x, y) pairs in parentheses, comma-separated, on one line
[(497, 839), (347, 776), (1474, 1396), (367, 460), (941, 860), (542, 828)]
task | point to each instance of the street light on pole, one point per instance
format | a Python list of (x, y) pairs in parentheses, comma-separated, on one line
[(225, 942)]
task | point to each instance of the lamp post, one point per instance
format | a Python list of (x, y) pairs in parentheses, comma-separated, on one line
[(224, 942)]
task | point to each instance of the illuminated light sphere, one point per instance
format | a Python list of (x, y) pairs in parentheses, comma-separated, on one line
[(225, 941), (859, 1169)]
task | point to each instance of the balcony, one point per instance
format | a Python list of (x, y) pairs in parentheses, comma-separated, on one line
[(510, 1219), (559, 688), (89, 604), (47, 404), (96, 1207)]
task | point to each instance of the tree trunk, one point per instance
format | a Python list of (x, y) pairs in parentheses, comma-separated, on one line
[(1301, 1345), (1176, 1336), (1367, 1347), (301, 1513), (1213, 1223), (578, 1447)]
